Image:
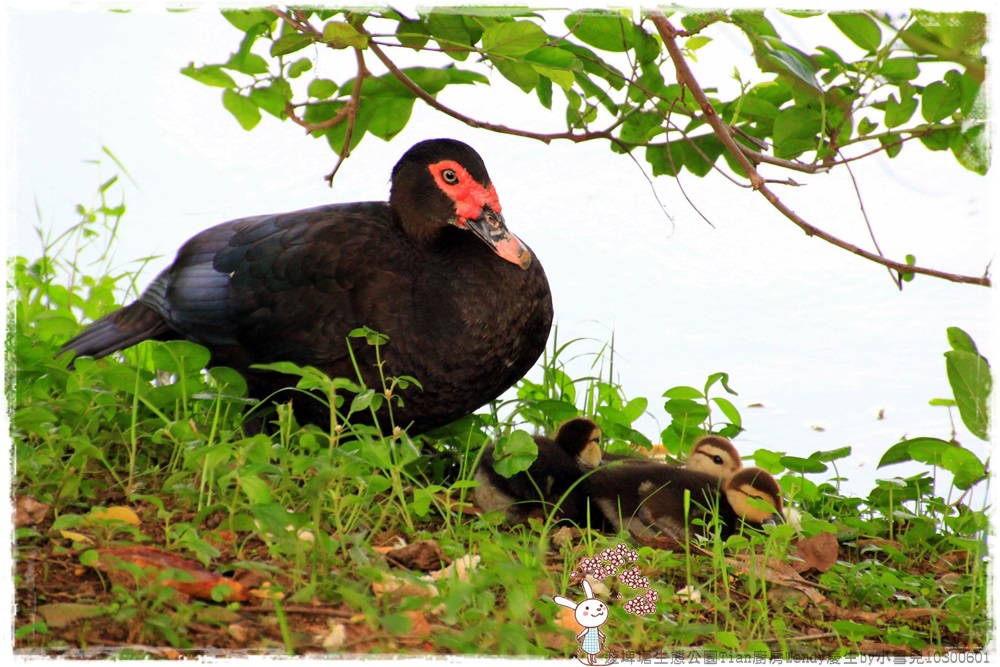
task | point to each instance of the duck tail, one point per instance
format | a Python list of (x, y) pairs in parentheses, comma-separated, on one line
[(116, 331)]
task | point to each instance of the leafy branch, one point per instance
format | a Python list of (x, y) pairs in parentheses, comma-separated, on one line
[(803, 112)]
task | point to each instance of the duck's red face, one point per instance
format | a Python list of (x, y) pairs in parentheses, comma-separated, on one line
[(477, 209)]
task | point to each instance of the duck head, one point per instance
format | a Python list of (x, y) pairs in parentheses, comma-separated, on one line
[(714, 455), (441, 182), (754, 483), (581, 439)]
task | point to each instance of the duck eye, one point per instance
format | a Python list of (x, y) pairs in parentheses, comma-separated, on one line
[(717, 460), (449, 176)]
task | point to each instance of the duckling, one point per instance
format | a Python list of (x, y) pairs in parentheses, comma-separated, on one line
[(712, 454), (649, 498), (715, 455), (664, 509), (561, 462)]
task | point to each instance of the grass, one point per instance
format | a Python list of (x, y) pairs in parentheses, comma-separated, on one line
[(308, 520)]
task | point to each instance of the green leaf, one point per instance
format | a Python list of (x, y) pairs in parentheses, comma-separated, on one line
[(290, 43), (665, 159), (563, 77), (964, 465), (390, 117), (854, 632), (180, 356), (796, 130), (831, 455), (801, 465), (897, 113), (900, 68), (683, 392), (299, 67), (270, 99), (729, 410), (451, 34), (608, 31), (245, 19), (638, 126), (258, 491), (859, 28), (961, 341), (322, 89), (900, 452), (210, 75), (769, 461), (519, 73), (412, 34), (513, 38), (341, 35), (514, 453), (972, 149), (791, 63), (243, 108), (971, 381), (939, 101)]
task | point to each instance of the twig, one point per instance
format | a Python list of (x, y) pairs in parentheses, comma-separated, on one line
[(898, 279), (472, 122)]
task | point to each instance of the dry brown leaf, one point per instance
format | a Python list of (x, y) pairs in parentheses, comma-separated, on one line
[(566, 619), (819, 552), (61, 614), (335, 636), (149, 558), (404, 587), (419, 627), (461, 568), (75, 536), (28, 511), (425, 556), (883, 649), (118, 513), (565, 536), (776, 572)]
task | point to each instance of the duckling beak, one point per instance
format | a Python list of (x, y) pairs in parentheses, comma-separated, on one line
[(490, 227), (774, 519)]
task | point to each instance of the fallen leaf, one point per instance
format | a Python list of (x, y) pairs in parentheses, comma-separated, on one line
[(419, 627), (404, 587), (149, 558), (120, 514), (335, 636), (565, 536), (819, 552), (75, 536), (776, 572), (425, 556), (28, 511), (461, 568), (566, 619), (61, 614), (692, 595)]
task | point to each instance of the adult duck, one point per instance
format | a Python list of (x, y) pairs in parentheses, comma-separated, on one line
[(464, 303)]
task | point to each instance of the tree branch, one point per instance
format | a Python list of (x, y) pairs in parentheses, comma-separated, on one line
[(685, 77), (472, 122)]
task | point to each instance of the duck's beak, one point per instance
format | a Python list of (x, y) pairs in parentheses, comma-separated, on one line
[(490, 227)]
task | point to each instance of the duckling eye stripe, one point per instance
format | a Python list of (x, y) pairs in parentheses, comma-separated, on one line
[(469, 195)]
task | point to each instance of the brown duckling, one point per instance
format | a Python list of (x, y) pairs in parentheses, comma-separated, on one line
[(647, 498), (711, 454), (715, 455), (560, 464)]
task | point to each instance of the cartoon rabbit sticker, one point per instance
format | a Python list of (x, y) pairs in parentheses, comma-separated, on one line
[(591, 614)]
